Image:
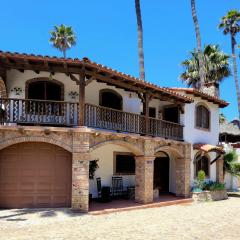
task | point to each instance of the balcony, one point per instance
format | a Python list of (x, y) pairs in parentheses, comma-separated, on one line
[(57, 113)]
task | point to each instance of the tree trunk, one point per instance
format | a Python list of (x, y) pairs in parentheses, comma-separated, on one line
[(64, 53), (235, 73), (202, 73), (140, 40)]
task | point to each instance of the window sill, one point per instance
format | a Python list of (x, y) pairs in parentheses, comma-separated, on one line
[(203, 129)]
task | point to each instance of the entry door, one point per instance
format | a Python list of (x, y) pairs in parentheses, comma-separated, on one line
[(161, 174)]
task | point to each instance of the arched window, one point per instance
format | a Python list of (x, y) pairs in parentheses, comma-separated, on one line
[(202, 117), (44, 89), (202, 162), (110, 99)]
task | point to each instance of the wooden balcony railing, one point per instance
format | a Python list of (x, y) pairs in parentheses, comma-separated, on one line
[(57, 113)]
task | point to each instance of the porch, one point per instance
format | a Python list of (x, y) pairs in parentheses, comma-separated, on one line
[(97, 208), (62, 113)]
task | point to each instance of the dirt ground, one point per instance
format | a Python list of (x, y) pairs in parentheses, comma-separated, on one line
[(209, 220)]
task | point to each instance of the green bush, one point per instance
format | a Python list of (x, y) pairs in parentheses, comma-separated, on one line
[(200, 182), (213, 186)]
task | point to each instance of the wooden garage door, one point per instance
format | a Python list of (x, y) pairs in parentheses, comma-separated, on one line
[(35, 175)]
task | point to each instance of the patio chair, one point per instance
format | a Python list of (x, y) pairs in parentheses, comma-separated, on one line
[(117, 187), (99, 187)]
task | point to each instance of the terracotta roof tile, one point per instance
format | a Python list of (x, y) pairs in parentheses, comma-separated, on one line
[(87, 61), (203, 95), (208, 148)]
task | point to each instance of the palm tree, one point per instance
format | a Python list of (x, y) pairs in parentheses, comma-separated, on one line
[(63, 38), (230, 25), (231, 165), (216, 66), (140, 40), (202, 73)]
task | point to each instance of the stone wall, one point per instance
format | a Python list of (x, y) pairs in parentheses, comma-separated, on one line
[(81, 141)]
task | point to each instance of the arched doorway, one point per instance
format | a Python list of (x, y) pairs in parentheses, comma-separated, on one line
[(161, 172), (35, 174), (110, 99)]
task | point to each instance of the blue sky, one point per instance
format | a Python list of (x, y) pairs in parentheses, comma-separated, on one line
[(106, 33)]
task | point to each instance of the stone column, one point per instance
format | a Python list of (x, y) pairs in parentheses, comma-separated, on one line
[(219, 170), (80, 181), (144, 179), (80, 172), (183, 173)]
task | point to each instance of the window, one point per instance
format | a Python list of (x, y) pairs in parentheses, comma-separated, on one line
[(110, 99), (201, 163), (50, 91), (124, 164), (44, 90), (171, 114), (202, 117), (152, 112)]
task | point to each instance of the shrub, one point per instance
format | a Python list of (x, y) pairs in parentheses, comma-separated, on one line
[(213, 186), (200, 182)]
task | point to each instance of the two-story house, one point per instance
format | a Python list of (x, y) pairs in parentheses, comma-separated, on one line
[(58, 114)]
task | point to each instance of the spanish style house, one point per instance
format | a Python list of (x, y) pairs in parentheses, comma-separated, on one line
[(57, 115)]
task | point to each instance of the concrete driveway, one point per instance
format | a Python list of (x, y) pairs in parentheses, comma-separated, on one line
[(209, 220)]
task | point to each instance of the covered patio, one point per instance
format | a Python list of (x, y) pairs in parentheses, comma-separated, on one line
[(120, 205)]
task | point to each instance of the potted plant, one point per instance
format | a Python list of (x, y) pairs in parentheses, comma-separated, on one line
[(208, 190)]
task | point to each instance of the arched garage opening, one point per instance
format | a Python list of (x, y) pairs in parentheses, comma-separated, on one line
[(35, 174)]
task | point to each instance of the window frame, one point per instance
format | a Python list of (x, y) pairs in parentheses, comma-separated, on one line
[(196, 160), (115, 163), (196, 117)]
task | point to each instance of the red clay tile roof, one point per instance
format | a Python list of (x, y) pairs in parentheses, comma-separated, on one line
[(208, 148), (87, 62), (203, 95)]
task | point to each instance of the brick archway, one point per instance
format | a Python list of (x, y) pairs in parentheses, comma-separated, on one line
[(15, 140), (168, 150), (135, 150)]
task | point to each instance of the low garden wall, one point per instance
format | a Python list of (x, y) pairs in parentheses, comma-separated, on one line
[(210, 195)]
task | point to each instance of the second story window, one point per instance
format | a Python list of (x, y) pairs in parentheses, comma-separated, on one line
[(44, 90), (202, 117), (110, 99)]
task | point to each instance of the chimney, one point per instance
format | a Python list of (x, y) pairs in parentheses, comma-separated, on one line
[(211, 89)]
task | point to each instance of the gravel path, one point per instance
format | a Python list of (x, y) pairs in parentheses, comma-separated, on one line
[(203, 221)]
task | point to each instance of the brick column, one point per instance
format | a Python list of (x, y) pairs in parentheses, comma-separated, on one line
[(80, 171), (144, 179), (80, 181), (219, 170), (183, 174)]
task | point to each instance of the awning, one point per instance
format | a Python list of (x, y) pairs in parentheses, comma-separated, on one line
[(208, 148)]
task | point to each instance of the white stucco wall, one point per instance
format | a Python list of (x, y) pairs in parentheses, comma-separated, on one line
[(194, 135), (105, 155), (232, 182)]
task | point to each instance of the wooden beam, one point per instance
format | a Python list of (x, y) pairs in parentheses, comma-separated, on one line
[(81, 98), (89, 80), (74, 78), (146, 111), (116, 80)]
